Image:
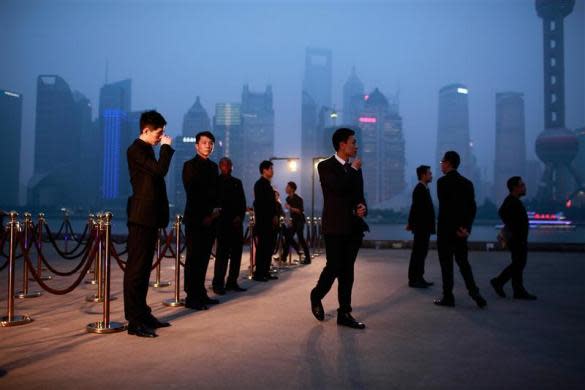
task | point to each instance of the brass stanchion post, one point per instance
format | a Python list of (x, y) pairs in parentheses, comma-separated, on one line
[(251, 223), (157, 282), (11, 319), (24, 293), (106, 326), (177, 301), (98, 268), (40, 226), (95, 223)]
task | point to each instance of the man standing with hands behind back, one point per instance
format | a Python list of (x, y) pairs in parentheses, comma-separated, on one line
[(148, 210), (456, 214), (200, 176), (344, 207)]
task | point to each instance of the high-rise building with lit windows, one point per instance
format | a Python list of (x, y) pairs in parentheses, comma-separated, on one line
[(11, 120)]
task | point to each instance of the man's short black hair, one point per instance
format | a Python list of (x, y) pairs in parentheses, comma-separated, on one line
[(264, 165), (204, 134), (225, 160), (341, 135), (421, 170), (152, 120), (292, 185), (453, 158), (513, 182)]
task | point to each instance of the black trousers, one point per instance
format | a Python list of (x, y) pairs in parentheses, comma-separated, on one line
[(229, 248), (514, 271), (299, 231), (264, 248), (199, 243), (341, 253), (420, 249), (453, 247), (141, 247)]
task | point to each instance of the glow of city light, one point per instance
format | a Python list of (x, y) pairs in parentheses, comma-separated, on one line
[(190, 140), (11, 94), (366, 97), (462, 90), (292, 165), (366, 119), (333, 115)]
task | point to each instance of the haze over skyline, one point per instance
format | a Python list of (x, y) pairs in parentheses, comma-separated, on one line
[(174, 52)]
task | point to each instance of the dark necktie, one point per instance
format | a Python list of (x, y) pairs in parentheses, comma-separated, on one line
[(347, 166)]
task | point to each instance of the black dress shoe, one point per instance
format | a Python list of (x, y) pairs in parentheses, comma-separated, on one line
[(498, 288), (154, 323), (235, 287), (525, 296), (448, 302), (141, 330), (210, 301), (260, 278), (345, 319), (271, 277), (479, 301), (219, 290), (195, 306), (317, 308), (418, 284)]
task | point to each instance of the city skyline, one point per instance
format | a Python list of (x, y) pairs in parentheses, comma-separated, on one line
[(508, 51)]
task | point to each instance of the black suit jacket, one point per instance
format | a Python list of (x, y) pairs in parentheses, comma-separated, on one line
[(265, 207), (343, 190), (513, 213), (148, 205), (422, 213), (200, 181), (298, 219), (232, 200), (457, 206)]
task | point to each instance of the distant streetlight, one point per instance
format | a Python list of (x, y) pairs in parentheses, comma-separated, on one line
[(292, 162)]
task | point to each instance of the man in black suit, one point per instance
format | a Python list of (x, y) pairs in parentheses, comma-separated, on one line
[(230, 240), (343, 226), (266, 222), (421, 222), (457, 210), (148, 210), (201, 211), (294, 203), (516, 223)]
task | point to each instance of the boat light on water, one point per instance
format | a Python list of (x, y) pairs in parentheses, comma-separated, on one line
[(547, 221)]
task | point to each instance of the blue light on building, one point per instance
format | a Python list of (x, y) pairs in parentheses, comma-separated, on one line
[(114, 120)]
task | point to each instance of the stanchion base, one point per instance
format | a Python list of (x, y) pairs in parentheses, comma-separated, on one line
[(16, 320), (30, 294), (159, 284), (103, 327), (173, 302), (94, 282), (96, 299), (43, 278)]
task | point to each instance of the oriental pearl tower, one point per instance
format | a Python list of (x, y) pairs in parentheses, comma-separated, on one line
[(556, 146)]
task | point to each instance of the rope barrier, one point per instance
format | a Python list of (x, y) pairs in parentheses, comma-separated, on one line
[(70, 255)]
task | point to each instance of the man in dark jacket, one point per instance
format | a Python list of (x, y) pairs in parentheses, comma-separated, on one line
[(457, 210), (421, 222), (266, 219), (201, 211), (230, 240), (148, 210), (344, 208), (294, 203), (515, 219)]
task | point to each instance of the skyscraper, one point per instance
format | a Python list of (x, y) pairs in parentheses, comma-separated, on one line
[(89, 179), (114, 107), (382, 149), (510, 141), (227, 129), (353, 99), (316, 96), (57, 146), (453, 129), (195, 120), (257, 141), (11, 120)]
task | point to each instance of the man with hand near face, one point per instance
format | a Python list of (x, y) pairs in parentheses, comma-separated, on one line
[(200, 176), (344, 208), (148, 210)]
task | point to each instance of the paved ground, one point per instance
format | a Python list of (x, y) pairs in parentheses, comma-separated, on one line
[(267, 338)]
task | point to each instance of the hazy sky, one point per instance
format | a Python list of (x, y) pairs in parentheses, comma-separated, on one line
[(175, 51)]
